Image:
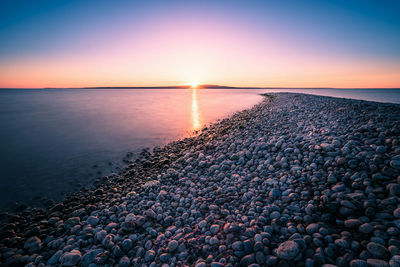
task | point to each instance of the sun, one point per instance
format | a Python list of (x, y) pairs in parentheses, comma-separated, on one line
[(194, 85)]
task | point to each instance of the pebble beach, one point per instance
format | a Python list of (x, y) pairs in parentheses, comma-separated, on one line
[(297, 180)]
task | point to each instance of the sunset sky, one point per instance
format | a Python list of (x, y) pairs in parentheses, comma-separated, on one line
[(237, 43)]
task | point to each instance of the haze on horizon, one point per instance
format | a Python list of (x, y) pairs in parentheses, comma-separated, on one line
[(233, 43)]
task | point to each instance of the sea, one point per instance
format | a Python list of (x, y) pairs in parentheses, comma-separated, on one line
[(56, 141)]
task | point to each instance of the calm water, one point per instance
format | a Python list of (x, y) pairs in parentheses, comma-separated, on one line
[(54, 141)]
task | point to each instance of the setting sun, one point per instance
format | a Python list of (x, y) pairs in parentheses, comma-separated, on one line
[(194, 84)]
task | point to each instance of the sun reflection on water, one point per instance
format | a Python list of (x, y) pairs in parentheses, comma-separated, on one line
[(195, 111)]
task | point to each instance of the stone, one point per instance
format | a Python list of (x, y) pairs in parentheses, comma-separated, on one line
[(380, 149), (365, 228), (89, 256), (150, 255), (376, 249), (172, 245), (151, 214), (287, 250), (260, 258), (33, 244), (352, 223), (312, 228), (331, 178), (71, 258), (55, 258), (124, 262), (214, 241), (238, 245), (127, 244), (275, 215), (247, 260), (71, 222), (274, 193), (92, 220), (377, 263), (165, 257), (214, 228), (202, 224), (358, 263)]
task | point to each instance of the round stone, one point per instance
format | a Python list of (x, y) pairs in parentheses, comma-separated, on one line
[(92, 220), (202, 224), (358, 263), (312, 228), (377, 263), (238, 245), (376, 249), (124, 262), (172, 245), (287, 250), (33, 244), (365, 228), (275, 215), (150, 255), (352, 223), (214, 241), (214, 228), (71, 258)]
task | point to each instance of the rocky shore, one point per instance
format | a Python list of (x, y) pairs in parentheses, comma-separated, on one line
[(298, 180)]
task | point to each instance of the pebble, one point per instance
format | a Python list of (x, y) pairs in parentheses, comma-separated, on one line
[(92, 220), (214, 228), (365, 228), (127, 244), (352, 223), (377, 263), (358, 263), (149, 256), (376, 249), (55, 258), (33, 244), (238, 245), (312, 228), (173, 245), (247, 260), (124, 262), (287, 250), (71, 222), (71, 258)]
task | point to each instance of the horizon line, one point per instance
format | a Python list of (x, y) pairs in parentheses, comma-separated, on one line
[(200, 86)]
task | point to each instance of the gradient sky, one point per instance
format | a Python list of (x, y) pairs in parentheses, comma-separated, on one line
[(240, 43)]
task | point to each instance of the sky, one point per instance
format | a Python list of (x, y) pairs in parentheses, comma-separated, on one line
[(347, 44)]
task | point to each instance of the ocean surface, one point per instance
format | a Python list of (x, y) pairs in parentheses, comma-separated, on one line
[(54, 141)]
